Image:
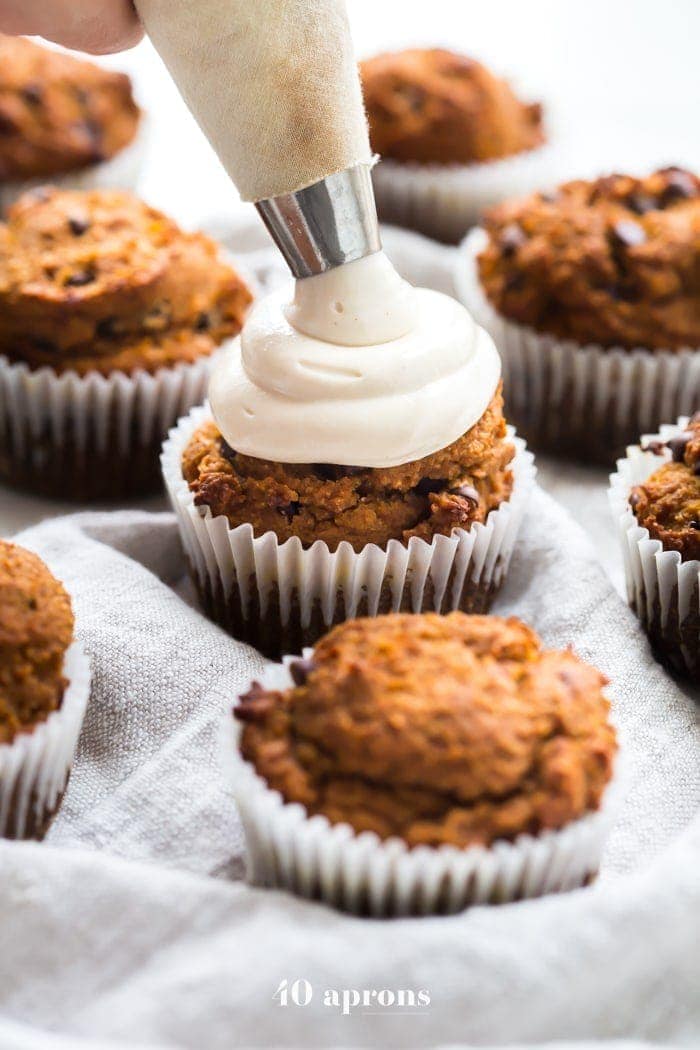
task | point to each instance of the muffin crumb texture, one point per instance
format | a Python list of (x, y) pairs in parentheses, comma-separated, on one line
[(452, 488), (456, 729), (99, 281), (668, 502), (614, 262), (437, 107), (36, 628), (59, 113)]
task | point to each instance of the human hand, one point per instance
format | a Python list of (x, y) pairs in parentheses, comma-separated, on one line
[(97, 26)]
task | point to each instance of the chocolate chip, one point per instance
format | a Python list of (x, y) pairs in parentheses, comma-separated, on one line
[(634, 500), (466, 492), (203, 323), (677, 445), (694, 524), (334, 472), (680, 185), (629, 234), (78, 225), (641, 203), (656, 447), (79, 278), (226, 451), (550, 196), (300, 670), (426, 486), (511, 238), (33, 94), (289, 510), (107, 328), (254, 705)]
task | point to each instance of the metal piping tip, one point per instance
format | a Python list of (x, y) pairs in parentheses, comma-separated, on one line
[(325, 225)]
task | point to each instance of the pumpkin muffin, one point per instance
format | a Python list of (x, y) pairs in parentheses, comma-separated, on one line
[(59, 115), (36, 631), (438, 118), (591, 294), (453, 488), (116, 312), (458, 730), (430, 731), (655, 500)]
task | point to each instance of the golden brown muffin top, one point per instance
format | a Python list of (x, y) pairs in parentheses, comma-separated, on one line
[(452, 488), (615, 261), (450, 729), (98, 280), (668, 502), (59, 113), (437, 107), (36, 628)]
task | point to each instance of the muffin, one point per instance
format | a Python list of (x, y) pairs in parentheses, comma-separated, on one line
[(44, 686), (109, 316), (414, 763), (655, 498), (453, 139), (63, 120), (591, 294), (278, 552)]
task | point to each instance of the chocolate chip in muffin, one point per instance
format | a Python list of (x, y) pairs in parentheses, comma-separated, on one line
[(467, 492), (641, 203), (254, 705), (300, 670), (33, 94), (289, 510), (677, 445), (628, 234), (680, 185), (512, 238), (78, 225), (79, 278), (226, 451)]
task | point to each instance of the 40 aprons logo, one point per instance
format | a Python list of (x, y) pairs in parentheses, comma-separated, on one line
[(300, 992)]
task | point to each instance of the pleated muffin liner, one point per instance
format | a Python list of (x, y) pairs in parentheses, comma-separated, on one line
[(281, 597), (445, 200), (365, 875), (35, 766), (91, 437), (587, 402), (122, 171), (663, 590)]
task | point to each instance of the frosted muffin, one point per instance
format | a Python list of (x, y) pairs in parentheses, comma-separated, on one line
[(452, 138), (63, 119), (655, 499), (354, 460), (44, 683), (109, 316), (425, 732), (590, 293)]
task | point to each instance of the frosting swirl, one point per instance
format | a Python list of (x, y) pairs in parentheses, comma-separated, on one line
[(359, 369)]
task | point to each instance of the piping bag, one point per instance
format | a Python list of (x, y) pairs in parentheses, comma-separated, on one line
[(274, 86)]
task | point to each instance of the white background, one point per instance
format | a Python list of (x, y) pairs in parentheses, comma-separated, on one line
[(619, 80)]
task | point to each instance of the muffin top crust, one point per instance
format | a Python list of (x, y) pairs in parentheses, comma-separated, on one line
[(437, 107), (452, 729), (615, 261), (59, 113), (36, 628), (450, 489), (668, 502), (99, 281)]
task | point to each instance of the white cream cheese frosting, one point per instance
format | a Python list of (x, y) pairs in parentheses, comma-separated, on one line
[(359, 369)]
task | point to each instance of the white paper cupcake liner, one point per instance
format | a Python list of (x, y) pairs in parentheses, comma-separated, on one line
[(588, 402), (444, 201), (281, 597), (364, 874), (92, 436), (122, 171), (663, 590), (34, 767)]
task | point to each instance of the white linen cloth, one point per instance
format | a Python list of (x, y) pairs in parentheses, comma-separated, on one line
[(131, 925)]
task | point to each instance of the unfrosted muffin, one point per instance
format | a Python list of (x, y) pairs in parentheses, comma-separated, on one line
[(453, 488), (439, 120), (457, 730), (114, 312), (59, 116), (592, 295), (655, 499), (422, 763), (36, 632)]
